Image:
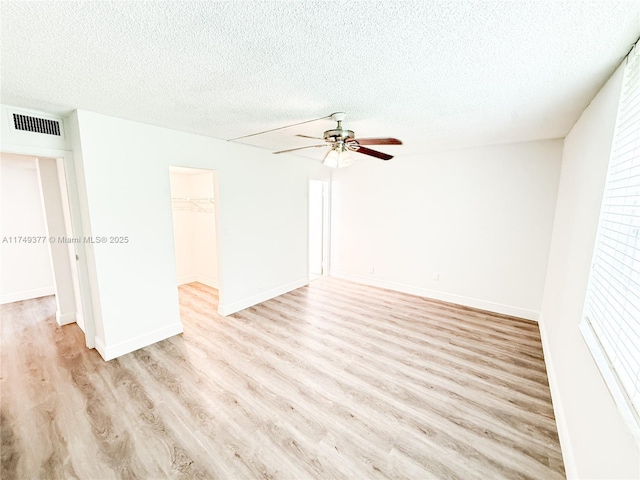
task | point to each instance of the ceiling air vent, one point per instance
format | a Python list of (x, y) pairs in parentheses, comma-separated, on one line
[(35, 124)]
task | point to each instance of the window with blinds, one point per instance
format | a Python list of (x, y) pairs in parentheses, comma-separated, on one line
[(611, 323)]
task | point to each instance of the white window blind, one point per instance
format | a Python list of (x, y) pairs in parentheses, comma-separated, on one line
[(611, 323)]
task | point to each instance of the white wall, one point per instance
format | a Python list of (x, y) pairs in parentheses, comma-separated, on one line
[(481, 218), (182, 230), (317, 227), (595, 441), (194, 230), (262, 210), (204, 232), (26, 268)]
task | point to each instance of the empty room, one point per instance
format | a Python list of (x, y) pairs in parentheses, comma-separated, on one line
[(320, 239)]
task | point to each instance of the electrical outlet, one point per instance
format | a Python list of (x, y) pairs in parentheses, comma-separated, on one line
[(371, 269), (435, 276)]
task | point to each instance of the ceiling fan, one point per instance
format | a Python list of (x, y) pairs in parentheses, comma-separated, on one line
[(342, 142)]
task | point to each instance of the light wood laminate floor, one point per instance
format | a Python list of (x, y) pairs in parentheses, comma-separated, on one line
[(333, 380)]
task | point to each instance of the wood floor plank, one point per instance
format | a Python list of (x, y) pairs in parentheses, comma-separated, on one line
[(333, 380)]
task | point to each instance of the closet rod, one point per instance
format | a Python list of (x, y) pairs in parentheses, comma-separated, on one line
[(195, 199)]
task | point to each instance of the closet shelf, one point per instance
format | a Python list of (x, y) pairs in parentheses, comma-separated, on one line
[(199, 204), (189, 199)]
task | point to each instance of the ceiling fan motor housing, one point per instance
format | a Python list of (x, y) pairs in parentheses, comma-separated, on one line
[(338, 134), (342, 141)]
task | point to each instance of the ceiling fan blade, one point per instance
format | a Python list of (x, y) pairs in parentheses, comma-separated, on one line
[(301, 148), (279, 128), (307, 136), (378, 141), (373, 153)]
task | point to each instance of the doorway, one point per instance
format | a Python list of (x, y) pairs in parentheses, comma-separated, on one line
[(193, 201), (37, 243), (318, 228)]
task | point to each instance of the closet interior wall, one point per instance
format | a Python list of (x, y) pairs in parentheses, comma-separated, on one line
[(27, 270), (194, 226)]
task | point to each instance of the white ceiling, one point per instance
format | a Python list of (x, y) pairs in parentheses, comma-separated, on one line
[(436, 74)]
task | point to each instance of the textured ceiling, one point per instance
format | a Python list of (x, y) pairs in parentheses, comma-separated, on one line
[(436, 74)]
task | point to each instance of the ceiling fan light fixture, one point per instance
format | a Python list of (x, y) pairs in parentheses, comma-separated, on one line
[(341, 143), (337, 158)]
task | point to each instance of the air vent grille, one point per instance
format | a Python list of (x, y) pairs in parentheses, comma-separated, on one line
[(35, 124)]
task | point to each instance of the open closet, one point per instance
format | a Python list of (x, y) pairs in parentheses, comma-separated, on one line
[(194, 225)]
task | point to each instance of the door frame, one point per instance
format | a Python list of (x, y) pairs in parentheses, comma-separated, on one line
[(218, 227), (65, 158)]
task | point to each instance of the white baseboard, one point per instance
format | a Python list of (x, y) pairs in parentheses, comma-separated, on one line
[(65, 319), (26, 295), (568, 457), (101, 348), (80, 321), (187, 279), (109, 352), (209, 282), (234, 307), (445, 297)]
